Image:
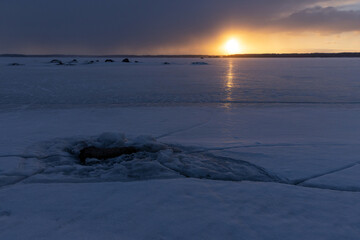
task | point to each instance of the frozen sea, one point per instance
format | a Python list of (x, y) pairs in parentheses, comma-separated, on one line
[(150, 82), (234, 149)]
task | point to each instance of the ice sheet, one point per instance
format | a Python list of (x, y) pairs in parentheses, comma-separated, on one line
[(177, 209), (260, 120), (263, 136), (39, 83)]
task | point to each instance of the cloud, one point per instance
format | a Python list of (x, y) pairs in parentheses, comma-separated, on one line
[(139, 26), (320, 19)]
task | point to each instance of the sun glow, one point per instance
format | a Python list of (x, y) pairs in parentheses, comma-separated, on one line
[(232, 46)]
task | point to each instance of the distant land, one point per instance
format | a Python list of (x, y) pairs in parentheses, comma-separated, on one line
[(299, 55), (261, 55)]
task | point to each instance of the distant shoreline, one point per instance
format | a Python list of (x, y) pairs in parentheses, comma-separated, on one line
[(263, 55)]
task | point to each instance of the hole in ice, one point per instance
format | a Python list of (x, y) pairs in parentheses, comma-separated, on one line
[(113, 157), (104, 153)]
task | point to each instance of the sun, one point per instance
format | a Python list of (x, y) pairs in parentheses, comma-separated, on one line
[(232, 46)]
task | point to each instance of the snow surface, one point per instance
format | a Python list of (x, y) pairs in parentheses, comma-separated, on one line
[(177, 209), (210, 168)]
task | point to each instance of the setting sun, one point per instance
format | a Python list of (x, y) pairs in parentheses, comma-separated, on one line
[(232, 46)]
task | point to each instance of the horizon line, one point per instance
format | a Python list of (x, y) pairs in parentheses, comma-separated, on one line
[(240, 55)]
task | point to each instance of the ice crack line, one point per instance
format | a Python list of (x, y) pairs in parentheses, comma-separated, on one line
[(281, 180), (300, 181), (182, 129), (265, 145), (32, 156), (22, 178), (260, 169)]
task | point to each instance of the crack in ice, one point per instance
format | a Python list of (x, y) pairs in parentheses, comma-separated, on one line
[(266, 145), (183, 129), (301, 181)]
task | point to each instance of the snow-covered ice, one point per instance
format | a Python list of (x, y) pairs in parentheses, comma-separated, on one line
[(39, 83), (237, 149), (177, 209)]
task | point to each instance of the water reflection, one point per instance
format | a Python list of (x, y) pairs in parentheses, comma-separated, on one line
[(229, 84)]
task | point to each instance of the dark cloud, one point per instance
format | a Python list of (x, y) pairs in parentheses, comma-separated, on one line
[(137, 26), (328, 19)]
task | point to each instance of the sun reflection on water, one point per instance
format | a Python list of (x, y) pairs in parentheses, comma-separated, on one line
[(229, 84)]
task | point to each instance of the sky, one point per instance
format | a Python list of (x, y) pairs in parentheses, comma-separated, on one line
[(178, 26)]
